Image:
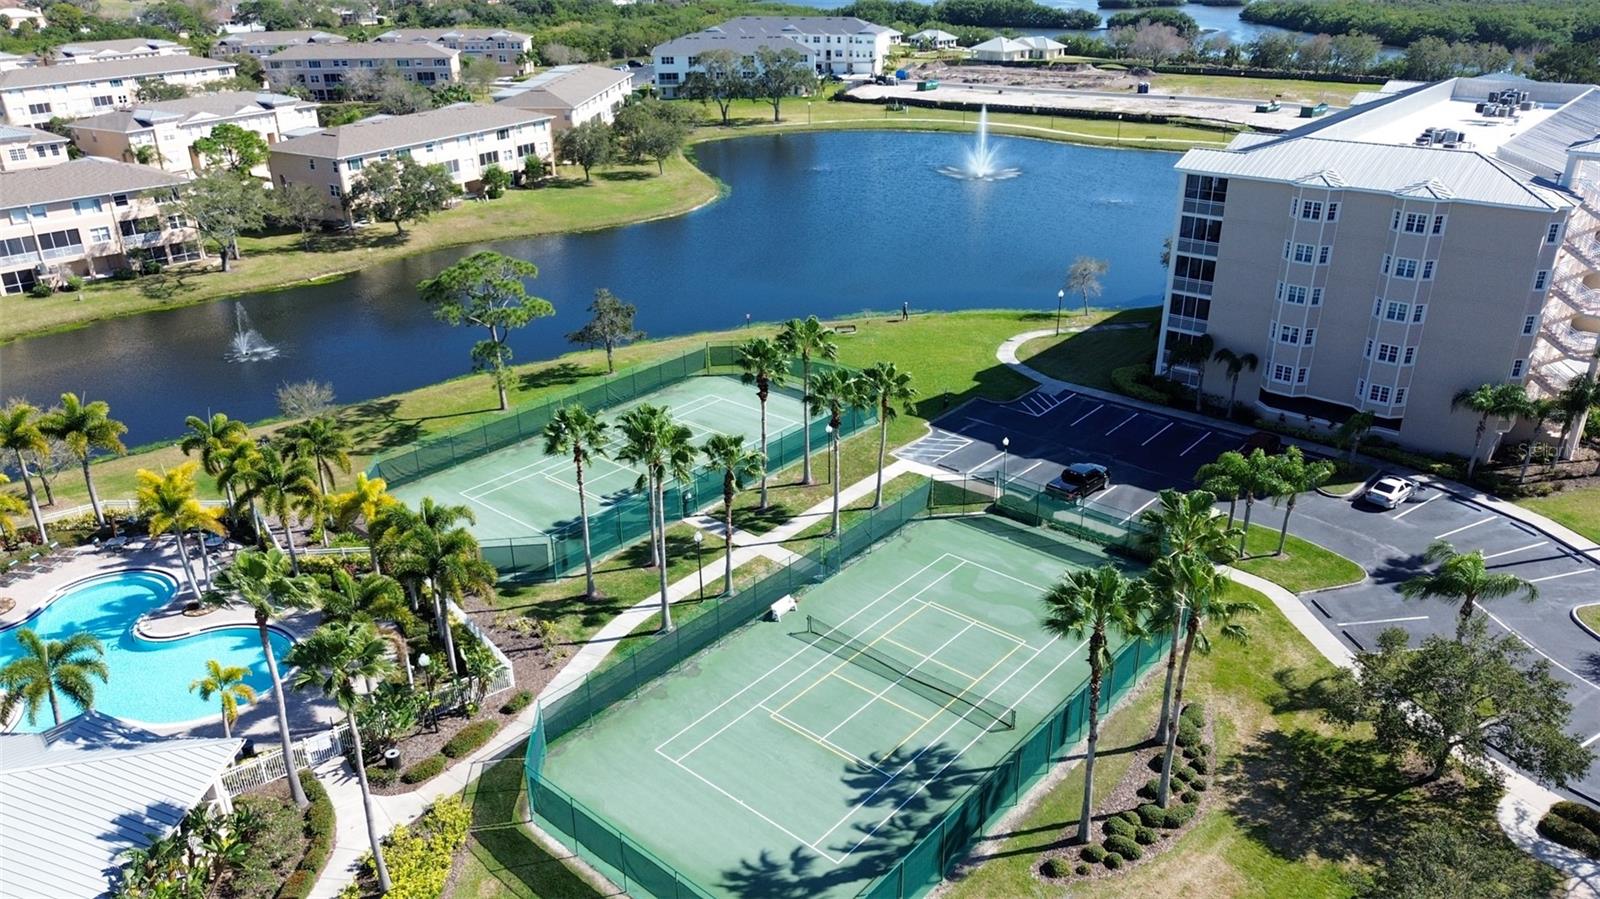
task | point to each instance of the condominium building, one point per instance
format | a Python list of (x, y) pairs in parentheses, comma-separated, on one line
[(323, 69), (35, 95), (465, 138), (1432, 238), (169, 128), (507, 50), (30, 148), (571, 95), (262, 44), (88, 218), (122, 48), (833, 45), (677, 59)]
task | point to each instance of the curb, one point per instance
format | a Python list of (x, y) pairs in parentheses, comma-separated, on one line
[(1573, 614)]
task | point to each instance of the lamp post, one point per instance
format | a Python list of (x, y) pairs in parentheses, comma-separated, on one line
[(1005, 450), (427, 672), (833, 475), (808, 112), (1119, 127), (1061, 297), (699, 538)]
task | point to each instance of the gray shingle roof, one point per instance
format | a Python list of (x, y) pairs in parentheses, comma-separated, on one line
[(279, 38), (119, 45), (384, 50), (75, 797), (90, 176), (562, 87), (380, 133), (141, 67), (758, 25), (701, 41), (219, 105), (439, 34), (11, 134)]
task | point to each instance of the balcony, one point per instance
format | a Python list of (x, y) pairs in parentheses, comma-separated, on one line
[(1186, 324), (147, 238), (1203, 207), (1192, 286), (1198, 247), (68, 252)]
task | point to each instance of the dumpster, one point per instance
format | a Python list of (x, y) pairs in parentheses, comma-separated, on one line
[(1270, 106), (1311, 112), (1144, 87), (927, 85), (902, 75)]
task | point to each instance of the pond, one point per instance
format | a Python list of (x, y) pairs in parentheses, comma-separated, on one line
[(827, 223)]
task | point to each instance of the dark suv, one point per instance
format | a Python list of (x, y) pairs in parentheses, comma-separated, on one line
[(1266, 441), (1078, 480)]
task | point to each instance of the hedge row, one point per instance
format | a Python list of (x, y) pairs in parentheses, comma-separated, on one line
[(427, 769), (319, 832), (517, 703), (469, 738), (1573, 825)]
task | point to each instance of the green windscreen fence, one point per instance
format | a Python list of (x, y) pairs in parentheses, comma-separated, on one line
[(615, 853), (549, 555), (1030, 504)]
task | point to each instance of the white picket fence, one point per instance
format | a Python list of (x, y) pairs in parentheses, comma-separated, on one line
[(108, 506), (309, 752), (505, 678)]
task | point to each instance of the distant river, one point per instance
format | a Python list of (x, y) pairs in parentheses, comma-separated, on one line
[(828, 223)]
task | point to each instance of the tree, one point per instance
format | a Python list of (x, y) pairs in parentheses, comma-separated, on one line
[(807, 339), (229, 146), (1461, 698), (720, 80), (224, 204), (1573, 63), (885, 386), (1091, 604), (1463, 577), (1439, 860), (227, 683), (488, 290), (402, 190), (333, 659), (1353, 430), (1295, 475), (435, 549), (1192, 352), (19, 433), (300, 205), (1539, 412), (590, 144), (575, 431), (1234, 365), (1354, 53), (495, 181), (45, 668), (305, 399), (283, 486), (365, 501), (322, 442), (728, 454), (652, 129), (1243, 477), (155, 90), (835, 390), (84, 428), (780, 73), (262, 581), (1575, 400), (1157, 42), (10, 504), (765, 364), (1083, 278), (532, 169), (1488, 400), (659, 139), (451, 93), (610, 325), (662, 447), (171, 503)]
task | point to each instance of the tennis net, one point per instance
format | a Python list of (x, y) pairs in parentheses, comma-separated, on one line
[(908, 674)]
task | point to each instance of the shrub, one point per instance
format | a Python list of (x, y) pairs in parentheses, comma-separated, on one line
[(517, 703), (383, 776), (275, 845), (1130, 816), (40, 290), (1200, 765), (124, 274), (1119, 827), (1190, 797), (419, 856), (1113, 861), (1150, 790), (1123, 846), (1204, 749), (1144, 836), (1188, 734), (1572, 825), (1129, 380), (152, 267), (427, 769), (319, 831), (1198, 785), (1186, 772), (1179, 815), (73, 284), (1152, 815), (469, 738), (1053, 867), (1189, 753), (1155, 763), (1578, 813), (1195, 712), (1082, 870), (1093, 854)]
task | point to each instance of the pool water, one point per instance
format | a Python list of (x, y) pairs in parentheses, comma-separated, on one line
[(148, 680)]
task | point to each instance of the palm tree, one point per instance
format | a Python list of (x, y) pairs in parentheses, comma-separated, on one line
[(212, 437), (807, 339), (19, 433), (765, 364), (234, 461), (46, 667), (324, 443), (445, 556), (654, 442), (365, 501), (264, 581), (1093, 603), (1576, 399), (1353, 430), (84, 428), (282, 485), (728, 454), (333, 659), (227, 683), (1295, 476), (1234, 365), (1243, 477), (1496, 400), (1539, 412), (10, 504), (575, 431), (170, 501), (835, 390), (1193, 352), (884, 385), (1083, 278), (1463, 577), (368, 598)]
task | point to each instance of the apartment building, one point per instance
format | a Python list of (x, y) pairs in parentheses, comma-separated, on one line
[(262, 44), (465, 138), (35, 95), (842, 45), (323, 69), (88, 218), (1432, 238), (169, 128), (122, 48), (507, 50), (675, 60), (571, 95), (30, 148)]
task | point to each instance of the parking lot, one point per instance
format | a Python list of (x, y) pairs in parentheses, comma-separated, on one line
[(1032, 438)]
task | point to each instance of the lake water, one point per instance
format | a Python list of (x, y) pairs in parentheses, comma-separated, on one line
[(824, 223)]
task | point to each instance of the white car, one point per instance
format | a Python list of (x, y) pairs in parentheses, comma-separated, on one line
[(1389, 492)]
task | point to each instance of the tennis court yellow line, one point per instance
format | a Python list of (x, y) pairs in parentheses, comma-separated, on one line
[(841, 753), (970, 620), (919, 652), (871, 692), (851, 660), (954, 700)]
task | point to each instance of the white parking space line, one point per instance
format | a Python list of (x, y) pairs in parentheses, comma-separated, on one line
[(1156, 434), (1590, 740), (1135, 513), (1551, 577), (1418, 506), (1463, 528), (1508, 552), (1529, 643), (1197, 442), (1381, 621), (1087, 414), (1124, 421), (980, 465), (1028, 469)]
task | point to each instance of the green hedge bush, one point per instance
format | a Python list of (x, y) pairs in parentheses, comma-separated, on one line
[(382, 776), (469, 738), (1144, 836), (1123, 846), (1082, 870), (1119, 827), (319, 831), (1093, 854), (1573, 825), (427, 769), (1152, 815), (517, 703), (1113, 861), (1053, 867)]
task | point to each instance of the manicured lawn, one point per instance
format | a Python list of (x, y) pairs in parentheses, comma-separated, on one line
[(686, 610), (1590, 615), (1335, 93), (617, 195), (1303, 565), (1576, 509), (1348, 476), (502, 860), (1087, 354)]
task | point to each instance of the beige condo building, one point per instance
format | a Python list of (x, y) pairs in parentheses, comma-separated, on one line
[(34, 95), (169, 128)]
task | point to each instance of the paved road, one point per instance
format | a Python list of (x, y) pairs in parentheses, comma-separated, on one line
[(1147, 451)]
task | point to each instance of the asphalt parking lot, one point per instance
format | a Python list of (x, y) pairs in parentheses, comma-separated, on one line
[(1148, 451)]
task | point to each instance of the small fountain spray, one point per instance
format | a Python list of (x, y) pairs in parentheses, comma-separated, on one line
[(247, 344), (983, 162)]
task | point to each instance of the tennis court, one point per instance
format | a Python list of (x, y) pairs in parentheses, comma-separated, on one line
[(519, 491), (804, 757)]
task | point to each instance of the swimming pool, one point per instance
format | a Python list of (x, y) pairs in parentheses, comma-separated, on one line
[(149, 680)]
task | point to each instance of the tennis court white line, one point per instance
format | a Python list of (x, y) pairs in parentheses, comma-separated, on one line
[(809, 734), (1418, 506), (1464, 527), (919, 716), (1124, 421), (1156, 434), (1004, 575), (1087, 414), (1197, 442), (896, 682), (747, 807), (893, 642), (983, 625), (1508, 552), (505, 515), (1551, 577)]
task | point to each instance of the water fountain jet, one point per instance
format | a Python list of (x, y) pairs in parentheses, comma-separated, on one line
[(247, 344), (983, 161)]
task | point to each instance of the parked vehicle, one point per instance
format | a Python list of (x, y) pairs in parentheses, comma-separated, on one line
[(1266, 441), (1389, 492), (1078, 480)]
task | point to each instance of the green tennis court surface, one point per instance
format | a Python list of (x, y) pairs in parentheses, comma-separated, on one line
[(519, 491), (803, 757)]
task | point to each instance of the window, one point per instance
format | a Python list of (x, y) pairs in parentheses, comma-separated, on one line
[(1304, 252), (503, 134), (1311, 210), (1400, 397), (1540, 279), (1438, 224), (1388, 352), (18, 154), (1427, 270), (176, 221), (1310, 338), (1205, 188), (119, 200), (454, 165), (1300, 375), (38, 109), (1378, 393), (526, 150), (18, 246), (333, 190), (489, 158), (1283, 373), (1516, 368), (102, 101), (1322, 255), (1552, 235), (83, 207), (1288, 334), (100, 235), (1388, 263), (311, 164), (353, 165), (1409, 357), (18, 281), (1316, 296), (1412, 223), (1405, 268), (1190, 306), (1333, 212), (60, 240), (1369, 348), (1528, 324), (18, 216), (1193, 229), (668, 60), (1294, 294), (1396, 312), (1417, 312)]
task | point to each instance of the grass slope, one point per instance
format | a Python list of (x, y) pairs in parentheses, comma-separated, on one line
[(1091, 349), (1577, 509)]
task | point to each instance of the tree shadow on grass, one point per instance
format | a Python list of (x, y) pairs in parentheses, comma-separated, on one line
[(559, 374), (625, 175), (505, 850), (759, 521), (374, 428)]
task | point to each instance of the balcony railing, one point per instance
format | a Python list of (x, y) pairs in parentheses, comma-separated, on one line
[(1203, 207), (146, 238), (1192, 286), (1186, 324), (63, 252), (1197, 247)]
